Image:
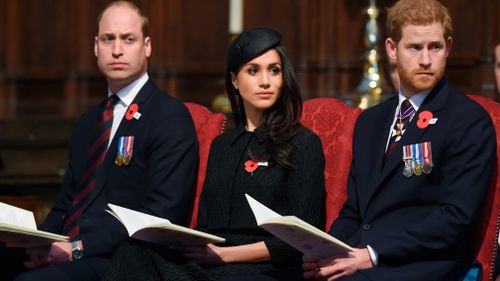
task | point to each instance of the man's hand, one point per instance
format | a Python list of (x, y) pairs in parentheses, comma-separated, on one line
[(334, 268), (57, 252)]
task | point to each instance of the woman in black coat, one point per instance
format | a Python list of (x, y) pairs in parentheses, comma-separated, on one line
[(269, 155)]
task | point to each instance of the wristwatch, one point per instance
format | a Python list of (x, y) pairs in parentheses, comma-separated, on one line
[(76, 250)]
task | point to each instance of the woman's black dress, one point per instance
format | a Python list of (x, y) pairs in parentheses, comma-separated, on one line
[(224, 211)]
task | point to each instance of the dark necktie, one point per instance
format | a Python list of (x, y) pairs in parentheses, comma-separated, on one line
[(403, 117), (95, 157)]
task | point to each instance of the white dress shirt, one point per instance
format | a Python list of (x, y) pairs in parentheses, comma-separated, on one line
[(126, 96)]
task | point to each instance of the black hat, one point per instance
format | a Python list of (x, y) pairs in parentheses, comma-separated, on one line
[(250, 44)]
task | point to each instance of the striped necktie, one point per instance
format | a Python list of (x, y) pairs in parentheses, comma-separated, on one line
[(406, 110), (95, 156)]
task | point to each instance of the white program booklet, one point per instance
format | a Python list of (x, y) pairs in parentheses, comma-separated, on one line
[(18, 229), (296, 232), (158, 230)]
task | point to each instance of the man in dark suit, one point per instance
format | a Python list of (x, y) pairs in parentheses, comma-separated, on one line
[(421, 166), (148, 162)]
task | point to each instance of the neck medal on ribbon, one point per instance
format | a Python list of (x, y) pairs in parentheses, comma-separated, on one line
[(417, 159), (125, 150)]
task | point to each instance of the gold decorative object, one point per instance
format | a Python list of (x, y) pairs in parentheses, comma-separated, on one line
[(371, 83), (221, 101)]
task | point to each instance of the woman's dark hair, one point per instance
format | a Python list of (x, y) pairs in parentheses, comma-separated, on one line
[(282, 119)]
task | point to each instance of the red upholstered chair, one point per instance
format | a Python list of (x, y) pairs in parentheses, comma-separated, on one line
[(333, 121), (487, 234), (208, 125)]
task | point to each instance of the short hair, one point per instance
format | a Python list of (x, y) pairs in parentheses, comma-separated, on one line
[(144, 19), (417, 12)]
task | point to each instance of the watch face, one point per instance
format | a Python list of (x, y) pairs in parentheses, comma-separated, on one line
[(77, 254), (76, 251)]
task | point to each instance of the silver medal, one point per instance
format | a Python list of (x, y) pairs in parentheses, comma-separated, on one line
[(408, 170)]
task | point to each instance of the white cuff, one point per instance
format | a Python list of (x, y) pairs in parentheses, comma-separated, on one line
[(373, 255)]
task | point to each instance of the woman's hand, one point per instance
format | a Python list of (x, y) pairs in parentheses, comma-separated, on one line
[(205, 254), (214, 255)]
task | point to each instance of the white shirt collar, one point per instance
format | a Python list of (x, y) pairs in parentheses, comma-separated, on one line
[(129, 92), (416, 100)]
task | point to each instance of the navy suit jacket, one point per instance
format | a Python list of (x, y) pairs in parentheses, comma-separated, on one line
[(420, 226), (159, 180)]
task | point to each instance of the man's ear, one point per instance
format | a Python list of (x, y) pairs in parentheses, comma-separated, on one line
[(390, 48), (95, 46), (449, 44), (147, 46)]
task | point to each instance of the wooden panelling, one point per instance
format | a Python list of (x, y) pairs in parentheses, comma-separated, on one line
[(3, 26), (47, 65), (208, 46), (282, 15)]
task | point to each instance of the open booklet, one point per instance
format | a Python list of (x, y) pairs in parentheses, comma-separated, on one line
[(158, 230), (296, 232), (18, 229)]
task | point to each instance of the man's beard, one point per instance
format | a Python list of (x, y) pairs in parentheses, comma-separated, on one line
[(416, 84)]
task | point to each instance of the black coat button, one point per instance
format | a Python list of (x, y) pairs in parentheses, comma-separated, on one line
[(367, 226)]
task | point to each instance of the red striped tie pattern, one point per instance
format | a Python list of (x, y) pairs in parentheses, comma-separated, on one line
[(405, 112), (95, 157)]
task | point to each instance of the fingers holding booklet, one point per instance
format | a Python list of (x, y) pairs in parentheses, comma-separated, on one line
[(297, 233), (154, 229), (18, 229)]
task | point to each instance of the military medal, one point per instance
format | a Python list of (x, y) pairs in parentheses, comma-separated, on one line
[(125, 150), (417, 168), (126, 160), (129, 146), (119, 160), (120, 152), (417, 158), (398, 132), (407, 170), (427, 166)]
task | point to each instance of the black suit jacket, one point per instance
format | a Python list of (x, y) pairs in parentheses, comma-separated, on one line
[(420, 226), (159, 180)]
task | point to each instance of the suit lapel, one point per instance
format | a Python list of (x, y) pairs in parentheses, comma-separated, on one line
[(383, 133), (123, 129), (378, 144), (433, 103)]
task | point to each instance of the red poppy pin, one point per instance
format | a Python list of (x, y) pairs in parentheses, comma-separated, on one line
[(424, 119), (132, 112), (252, 165)]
